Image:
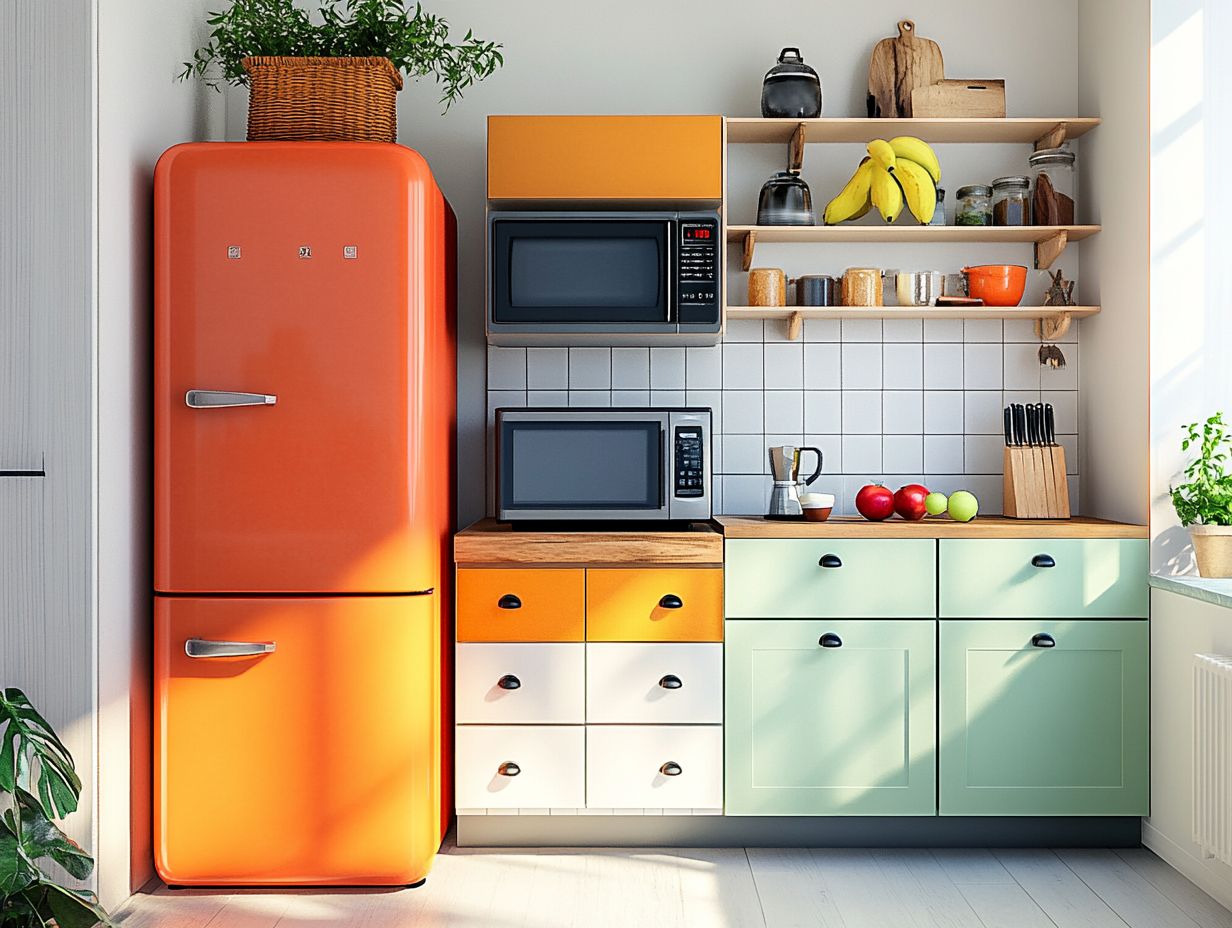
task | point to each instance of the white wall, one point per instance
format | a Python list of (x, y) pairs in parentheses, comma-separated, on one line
[(1180, 627), (142, 110), (644, 56)]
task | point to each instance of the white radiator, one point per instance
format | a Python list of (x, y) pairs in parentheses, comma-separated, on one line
[(1212, 758)]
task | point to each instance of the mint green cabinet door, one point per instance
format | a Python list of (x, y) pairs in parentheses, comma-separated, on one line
[(1008, 578), (783, 578), (1030, 730), (846, 730)]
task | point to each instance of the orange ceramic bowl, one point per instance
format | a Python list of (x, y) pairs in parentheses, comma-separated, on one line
[(996, 284)]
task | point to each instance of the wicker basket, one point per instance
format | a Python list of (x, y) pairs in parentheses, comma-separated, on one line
[(322, 99)]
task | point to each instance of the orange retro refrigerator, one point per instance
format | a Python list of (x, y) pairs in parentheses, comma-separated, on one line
[(304, 420)]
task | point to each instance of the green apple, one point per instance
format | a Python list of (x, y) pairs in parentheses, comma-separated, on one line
[(935, 503), (963, 506)]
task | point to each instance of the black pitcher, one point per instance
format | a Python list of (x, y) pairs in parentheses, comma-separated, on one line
[(791, 89)]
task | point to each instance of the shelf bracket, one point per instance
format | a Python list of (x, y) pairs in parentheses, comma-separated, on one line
[(795, 325), (1054, 137), (750, 240), (795, 149), (1050, 328), (1047, 251)]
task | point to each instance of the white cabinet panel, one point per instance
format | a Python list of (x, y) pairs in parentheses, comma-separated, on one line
[(520, 766), (654, 683), (654, 766), (521, 683)]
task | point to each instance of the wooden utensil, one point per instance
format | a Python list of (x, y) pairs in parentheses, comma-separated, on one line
[(898, 66), (968, 99)]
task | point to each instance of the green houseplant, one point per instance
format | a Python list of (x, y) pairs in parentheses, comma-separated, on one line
[(38, 784), (1204, 502), (344, 60)]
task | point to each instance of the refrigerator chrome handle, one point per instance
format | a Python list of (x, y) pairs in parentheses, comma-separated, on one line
[(206, 399), (203, 648)]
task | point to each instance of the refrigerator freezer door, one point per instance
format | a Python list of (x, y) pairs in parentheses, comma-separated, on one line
[(312, 757), (303, 369)]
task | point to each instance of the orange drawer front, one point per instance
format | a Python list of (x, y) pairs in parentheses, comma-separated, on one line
[(514, 604), (654, 605), (605, 157)]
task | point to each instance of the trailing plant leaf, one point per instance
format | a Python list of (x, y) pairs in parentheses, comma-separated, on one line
[(41, 838), (28, 738), (1206, 497), (416, 41), (16, 872), (72, 909)]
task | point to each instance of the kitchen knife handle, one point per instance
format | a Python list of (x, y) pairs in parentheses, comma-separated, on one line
[(1043, 640), (1050, 424), (671, 601), (830, 640), (508, 769), (1008, 416), (1043, 560), (213, 399), (509, 682), (671, 682), (509, 601), (830, 560), (671, 769), (204, 648)]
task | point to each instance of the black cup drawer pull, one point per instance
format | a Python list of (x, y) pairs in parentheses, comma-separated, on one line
[(671, 769), (1043, 640), (830, 640), (671, 601), (1043, 560), (509, 682), (509, 601), (830, 560), (671, 682), (508, 769)]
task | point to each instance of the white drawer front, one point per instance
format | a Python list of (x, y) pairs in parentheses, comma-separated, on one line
[(629, 766), (521, 683), (654, 683), (548, 766)]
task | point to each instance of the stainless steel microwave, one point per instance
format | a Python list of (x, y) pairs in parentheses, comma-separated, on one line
[(558, 275), (603, 464)]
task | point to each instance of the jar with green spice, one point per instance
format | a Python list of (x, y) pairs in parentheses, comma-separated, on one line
[(973, 205)]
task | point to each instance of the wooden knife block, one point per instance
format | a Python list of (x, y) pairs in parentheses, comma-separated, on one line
[(1035, 485)]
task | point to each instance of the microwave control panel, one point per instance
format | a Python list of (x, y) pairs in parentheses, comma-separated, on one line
[(698, 269), (690, 467)]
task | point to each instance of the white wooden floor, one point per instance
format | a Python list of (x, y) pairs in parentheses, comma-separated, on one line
[(659, 888)]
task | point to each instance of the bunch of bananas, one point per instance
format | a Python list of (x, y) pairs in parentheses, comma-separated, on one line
[(901, 171)]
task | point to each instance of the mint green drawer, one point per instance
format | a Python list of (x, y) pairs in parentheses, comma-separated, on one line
[(847, 730), (1029, 730), (781, 578), (997, 579)]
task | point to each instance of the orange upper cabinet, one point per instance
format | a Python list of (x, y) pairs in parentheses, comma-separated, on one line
[(605, 157)]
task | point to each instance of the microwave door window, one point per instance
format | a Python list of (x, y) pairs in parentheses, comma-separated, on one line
[(576, 466), (580, 273)]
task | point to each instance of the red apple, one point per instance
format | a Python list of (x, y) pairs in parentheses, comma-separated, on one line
[(875, 502), (909, 501)]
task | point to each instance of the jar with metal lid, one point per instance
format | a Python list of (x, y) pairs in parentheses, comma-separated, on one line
[(973, 205), (1011, 201), (1052, 187)]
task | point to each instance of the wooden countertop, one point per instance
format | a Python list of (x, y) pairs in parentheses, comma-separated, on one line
[(497, 543), (981, 527)]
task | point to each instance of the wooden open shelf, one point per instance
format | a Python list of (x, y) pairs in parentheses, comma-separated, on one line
[(1050, 241), (1050, 131), (794, 316)]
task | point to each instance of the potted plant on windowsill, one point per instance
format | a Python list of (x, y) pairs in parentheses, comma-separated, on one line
[(334, 77), (1204, 502)]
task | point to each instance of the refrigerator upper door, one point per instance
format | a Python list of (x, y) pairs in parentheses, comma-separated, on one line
[(311, 757), (303, 372)]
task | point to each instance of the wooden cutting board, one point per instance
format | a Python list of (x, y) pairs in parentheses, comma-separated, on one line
[(899, 65)]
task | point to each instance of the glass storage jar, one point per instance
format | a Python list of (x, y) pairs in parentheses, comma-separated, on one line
[(1011, 202), (973, 205), (1053, 194), (862, 287)]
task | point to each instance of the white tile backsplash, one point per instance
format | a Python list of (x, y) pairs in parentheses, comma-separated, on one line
[(898, 400)]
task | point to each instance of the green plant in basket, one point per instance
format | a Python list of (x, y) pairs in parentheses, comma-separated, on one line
[(38, 785), (416, 41)]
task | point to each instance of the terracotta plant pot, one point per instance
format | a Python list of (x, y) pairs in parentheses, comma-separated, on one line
[(1213, 549)]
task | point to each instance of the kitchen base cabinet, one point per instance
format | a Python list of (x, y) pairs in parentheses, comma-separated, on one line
[(654, 766), (830, 717), (1044, 717), (520, 766)]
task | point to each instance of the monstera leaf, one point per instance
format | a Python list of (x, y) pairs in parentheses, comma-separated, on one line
[(28, 738)]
